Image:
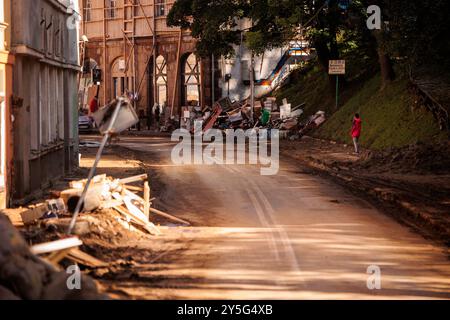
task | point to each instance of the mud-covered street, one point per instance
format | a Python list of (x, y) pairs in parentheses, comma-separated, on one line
[(294, 235)]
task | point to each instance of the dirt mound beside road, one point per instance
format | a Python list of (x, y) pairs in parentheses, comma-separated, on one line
[(418, 158), (24, 276)]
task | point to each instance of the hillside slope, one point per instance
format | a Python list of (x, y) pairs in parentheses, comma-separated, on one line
[(389, 119)]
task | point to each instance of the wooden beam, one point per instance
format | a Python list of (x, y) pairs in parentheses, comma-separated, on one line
[(170, 217), (141, 177), (148, 226), (85, 259), (58, 245), (133, 188), (56, 257), (147, 199)]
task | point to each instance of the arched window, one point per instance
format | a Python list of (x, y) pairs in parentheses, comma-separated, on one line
[(87, 10), (161, 81), (191, 81), (121, 81), (160, 8)]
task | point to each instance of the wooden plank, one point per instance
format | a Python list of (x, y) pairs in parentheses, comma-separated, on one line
[(147, 199), (169, 216), (34, 214), (58, 245), (85, 259), (133, 188), (138, 178), (57, 256), (111, 204), (148, 226), (14, 216)]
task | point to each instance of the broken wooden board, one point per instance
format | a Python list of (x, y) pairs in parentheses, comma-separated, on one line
[(111, 204), (81, 183), (34, 214), (147, 199), (148, 226), (57, 256), (80, 257), (133, 188), (139, 178), (58, 245), (14, 215), (169, 216)]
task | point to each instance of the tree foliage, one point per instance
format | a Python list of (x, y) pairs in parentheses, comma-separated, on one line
[(413, 31)]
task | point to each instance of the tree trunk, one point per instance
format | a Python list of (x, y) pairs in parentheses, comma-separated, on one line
[(323, 53), (387, 71), (386, 68)]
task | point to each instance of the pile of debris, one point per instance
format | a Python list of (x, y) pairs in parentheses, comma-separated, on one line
[(265, 114), (25, 275), (111, 208)]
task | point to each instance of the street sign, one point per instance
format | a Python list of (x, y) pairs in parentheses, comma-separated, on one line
[(337, 67)]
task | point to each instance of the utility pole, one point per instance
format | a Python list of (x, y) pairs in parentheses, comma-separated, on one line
[(252, 83), (213, 80)]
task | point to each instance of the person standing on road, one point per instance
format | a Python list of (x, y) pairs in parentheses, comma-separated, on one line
[(356, 131), (93, 105)]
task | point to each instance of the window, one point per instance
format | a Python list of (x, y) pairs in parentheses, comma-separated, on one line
[(50, 40), (112, 9), (161, 81), (160, 8), (87, 11), (122, 82), (43, 24), (58, 38), (191, 77)]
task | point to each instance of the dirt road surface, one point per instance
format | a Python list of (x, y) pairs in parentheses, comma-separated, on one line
[(289, 236)]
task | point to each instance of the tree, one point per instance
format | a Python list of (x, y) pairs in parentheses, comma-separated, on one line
[(413, 31), (212, 23)]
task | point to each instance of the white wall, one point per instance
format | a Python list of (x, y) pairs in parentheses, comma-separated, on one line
[(238, 67)]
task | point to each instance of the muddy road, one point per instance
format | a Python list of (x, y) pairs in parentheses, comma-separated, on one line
[(289, 236)]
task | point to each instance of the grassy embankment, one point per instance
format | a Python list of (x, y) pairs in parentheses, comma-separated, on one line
[(389, 119)]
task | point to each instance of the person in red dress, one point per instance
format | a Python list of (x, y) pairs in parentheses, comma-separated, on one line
[(93, 105), (356, 131)]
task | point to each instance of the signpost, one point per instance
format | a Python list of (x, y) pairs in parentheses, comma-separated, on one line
[(337, 68)]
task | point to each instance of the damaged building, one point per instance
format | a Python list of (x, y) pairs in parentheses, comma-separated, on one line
[(44, 96), (138, 55)]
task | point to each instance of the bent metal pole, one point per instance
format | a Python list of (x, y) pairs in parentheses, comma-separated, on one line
[(94, 167)]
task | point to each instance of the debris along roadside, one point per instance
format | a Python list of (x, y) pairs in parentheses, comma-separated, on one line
[(112, 220), (265, 114), (111, 211), (130, 213), (23, 275)]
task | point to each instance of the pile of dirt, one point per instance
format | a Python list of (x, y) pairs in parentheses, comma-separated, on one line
[(103, 228), (24, 276), (417, 158)]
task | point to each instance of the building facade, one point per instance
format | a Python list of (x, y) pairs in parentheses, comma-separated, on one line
[(137, 53), (44, 97), (6, 71)]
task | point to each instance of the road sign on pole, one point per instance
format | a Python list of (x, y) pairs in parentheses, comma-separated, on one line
[(337, 68)]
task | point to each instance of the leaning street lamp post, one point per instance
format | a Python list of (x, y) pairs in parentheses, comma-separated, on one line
[(91, 175)]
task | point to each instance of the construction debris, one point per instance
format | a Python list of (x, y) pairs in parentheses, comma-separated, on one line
[(113, 209), (265, 114), (23, 275)]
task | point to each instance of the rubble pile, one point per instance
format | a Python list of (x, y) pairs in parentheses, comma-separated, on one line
[(113, 211), (265, 114), (23, 275)]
